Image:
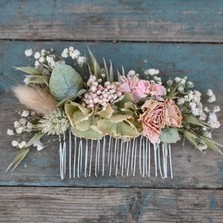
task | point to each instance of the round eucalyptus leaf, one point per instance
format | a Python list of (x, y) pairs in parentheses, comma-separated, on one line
[(65, 82)]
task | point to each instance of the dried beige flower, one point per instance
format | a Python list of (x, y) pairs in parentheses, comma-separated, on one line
[(35, 98)]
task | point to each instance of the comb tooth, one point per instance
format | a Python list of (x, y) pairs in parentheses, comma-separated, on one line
[(165, 156), (129, 156), (149, 154), (91, 154), (155, 158), (75, 153), (132, 157), (86, 158), (70, 154), (96, 161), (81, 155), (126, 156), (99, 153), (123, 156), (135, 156), (79, 158), (140, 156), (103, 157), (116, 163), (115, 151), (159, 161), (61, 158), (170, 161), (111, 150), (144, 157)]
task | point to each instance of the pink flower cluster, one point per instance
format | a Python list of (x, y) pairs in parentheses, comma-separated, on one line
[(140, 88), (99, 94)]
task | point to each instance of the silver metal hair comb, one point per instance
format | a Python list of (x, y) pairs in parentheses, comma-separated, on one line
[(113, 157)]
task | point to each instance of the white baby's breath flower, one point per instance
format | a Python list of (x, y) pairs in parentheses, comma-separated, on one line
[(177, 79), (28, 52), (33, 113), (180, 101), (27, 79), (190, 84), (81, 60), (41, 59), (15, 143), (213, 121), (169, 82), (71, 48), (37, 55), (29, 125), (152, 71), (203, 116), (212, 99), (42, 52), (216, 109), (25, 113), (75, 54), (65, 53), (131, 73), (17, 124), (206, 109), (19, 130), (39, 146), (22, 144), (209, 92), (37, 63), (22, 121), (10, 132)]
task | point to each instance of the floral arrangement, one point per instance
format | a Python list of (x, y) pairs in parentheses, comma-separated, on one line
[(88, 100)]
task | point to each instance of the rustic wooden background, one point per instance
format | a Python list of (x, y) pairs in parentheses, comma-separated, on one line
[(178, 37)]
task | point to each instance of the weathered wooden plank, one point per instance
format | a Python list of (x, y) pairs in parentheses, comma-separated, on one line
[(191, 168), (110, 205), (139, 20), (202, 63)]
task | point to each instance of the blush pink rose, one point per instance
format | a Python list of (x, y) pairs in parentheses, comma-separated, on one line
[(173, 114), (153, 119), (138, 88), (157, 90)]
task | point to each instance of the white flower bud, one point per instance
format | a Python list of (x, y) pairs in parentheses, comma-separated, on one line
[(10, 132), (28, 52), (15, 143)]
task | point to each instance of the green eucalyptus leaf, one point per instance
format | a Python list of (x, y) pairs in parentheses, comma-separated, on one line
[(29, 70), (169, 135), (65, 82)]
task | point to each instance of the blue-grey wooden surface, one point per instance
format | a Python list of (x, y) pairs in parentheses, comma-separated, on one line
[(181, 38)]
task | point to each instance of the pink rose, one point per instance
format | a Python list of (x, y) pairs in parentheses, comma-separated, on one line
[(141, 91), (153, 119), (157, 90), (138, 88), (173, 114)]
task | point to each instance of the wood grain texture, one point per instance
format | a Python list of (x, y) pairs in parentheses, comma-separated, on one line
[(109, 205), (125, 20)]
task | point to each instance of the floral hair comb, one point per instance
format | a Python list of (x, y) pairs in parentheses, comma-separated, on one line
[(109, 124)]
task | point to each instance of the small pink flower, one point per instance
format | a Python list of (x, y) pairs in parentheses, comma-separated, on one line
[(138, 88), (157, 90)]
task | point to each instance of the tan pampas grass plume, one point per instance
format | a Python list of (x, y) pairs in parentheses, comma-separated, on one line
[(35, 98)]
